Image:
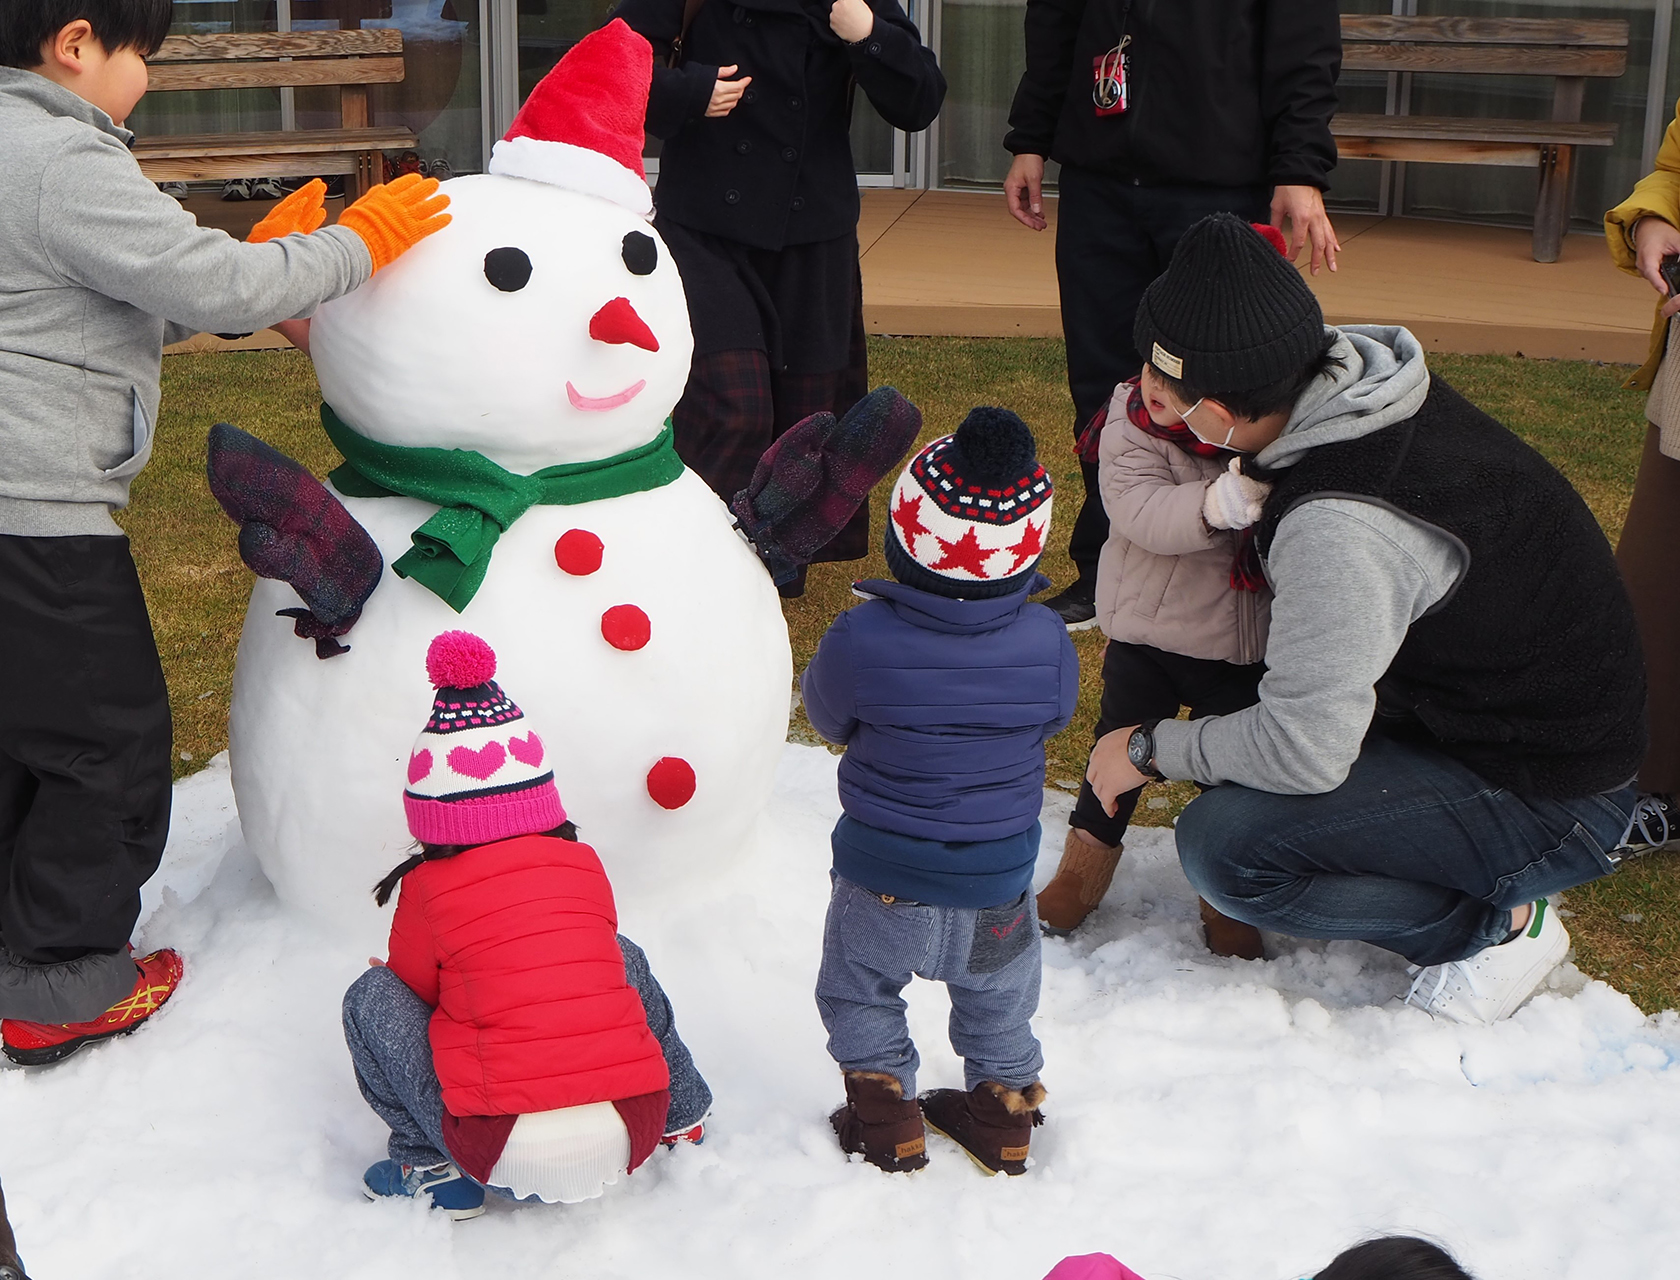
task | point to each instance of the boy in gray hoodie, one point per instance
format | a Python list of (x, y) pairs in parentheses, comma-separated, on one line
[(98, 271), (1453, 706)]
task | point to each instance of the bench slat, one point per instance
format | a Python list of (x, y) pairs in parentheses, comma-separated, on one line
[(1566, 31), (270, 45), (1522, 60), (1511, 155), (180, 145), (257, 75), (1461, 129)]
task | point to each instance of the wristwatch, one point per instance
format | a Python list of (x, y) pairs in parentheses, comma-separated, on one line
[(1140, 750)]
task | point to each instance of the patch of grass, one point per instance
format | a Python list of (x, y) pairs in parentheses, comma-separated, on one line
[(1575, 413)]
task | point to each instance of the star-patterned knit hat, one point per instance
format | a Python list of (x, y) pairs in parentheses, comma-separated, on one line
[(970, 514), (478, 773)]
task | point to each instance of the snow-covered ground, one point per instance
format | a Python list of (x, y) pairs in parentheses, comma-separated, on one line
[(1208, 1119)]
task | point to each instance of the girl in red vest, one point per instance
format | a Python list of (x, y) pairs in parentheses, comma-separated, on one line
[(514, 1040)]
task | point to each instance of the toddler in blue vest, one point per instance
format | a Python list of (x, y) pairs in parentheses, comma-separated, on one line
[(944, 686)]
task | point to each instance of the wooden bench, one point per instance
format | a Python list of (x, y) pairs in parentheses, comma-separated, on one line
[(1567, 49), (351, 60)]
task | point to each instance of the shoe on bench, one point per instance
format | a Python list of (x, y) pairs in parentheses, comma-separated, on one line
[(39, 1044), (1490, 985), (452, 1193)]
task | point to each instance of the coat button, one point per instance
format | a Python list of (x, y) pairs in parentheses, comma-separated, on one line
[(789, 154), (740, 14), (751, 95), (742, 147), (750, 22), (874, 46), (797, 203), (732, 196), (794, 104)]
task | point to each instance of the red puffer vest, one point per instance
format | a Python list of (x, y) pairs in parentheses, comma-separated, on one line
[(514, 944)]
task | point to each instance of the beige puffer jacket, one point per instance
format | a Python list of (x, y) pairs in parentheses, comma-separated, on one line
[(1165, 580)]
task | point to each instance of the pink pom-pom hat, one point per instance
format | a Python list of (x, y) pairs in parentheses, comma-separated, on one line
[(477, 773)]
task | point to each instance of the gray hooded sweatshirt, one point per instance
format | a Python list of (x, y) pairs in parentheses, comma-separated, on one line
[(1349, 578), (98, 270)]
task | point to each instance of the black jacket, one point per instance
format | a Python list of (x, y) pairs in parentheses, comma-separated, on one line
[(1226, 93), (778, 169), (1530, 671)]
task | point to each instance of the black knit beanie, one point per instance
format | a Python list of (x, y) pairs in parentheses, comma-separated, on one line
[(969, 516), (1230, 313)]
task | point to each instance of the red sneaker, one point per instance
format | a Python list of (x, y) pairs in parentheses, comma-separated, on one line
[(36, 1044), (696, 1135)]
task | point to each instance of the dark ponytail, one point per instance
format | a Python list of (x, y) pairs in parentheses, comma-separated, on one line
[(434, 852), (1394, 1258)]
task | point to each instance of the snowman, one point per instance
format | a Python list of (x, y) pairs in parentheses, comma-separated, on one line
[(522, 362)]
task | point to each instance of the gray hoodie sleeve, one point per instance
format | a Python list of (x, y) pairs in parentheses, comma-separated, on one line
[(1350, 578), (106, 228)]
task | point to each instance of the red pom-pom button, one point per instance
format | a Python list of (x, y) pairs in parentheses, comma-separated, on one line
[(578, 552), (626, 627), (671, 782)]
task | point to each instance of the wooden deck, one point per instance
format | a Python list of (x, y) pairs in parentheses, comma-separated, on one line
[(945, 262), (954, 263)]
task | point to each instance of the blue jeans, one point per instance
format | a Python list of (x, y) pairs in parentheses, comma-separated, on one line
[(1413, 853), (987, 957), (385, 1025)]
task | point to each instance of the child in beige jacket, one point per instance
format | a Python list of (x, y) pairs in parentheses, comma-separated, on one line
[(1183, 602)]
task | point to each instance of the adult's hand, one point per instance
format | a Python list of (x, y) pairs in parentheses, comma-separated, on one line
[(1111, 772), (726, 92), (1023, 191), (1653, 240), (851, 20), (1308, 222)]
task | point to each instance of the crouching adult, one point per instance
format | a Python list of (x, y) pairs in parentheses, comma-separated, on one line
[(1453, 710)]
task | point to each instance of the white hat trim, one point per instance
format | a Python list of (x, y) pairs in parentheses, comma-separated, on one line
[(577, 168)]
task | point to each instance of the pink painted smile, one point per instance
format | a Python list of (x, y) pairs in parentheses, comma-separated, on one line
[(596, 404)]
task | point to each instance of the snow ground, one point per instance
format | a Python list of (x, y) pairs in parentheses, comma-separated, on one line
[(1208, 1119)]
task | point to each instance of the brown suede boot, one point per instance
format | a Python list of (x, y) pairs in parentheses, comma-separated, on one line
[(1086, 870), (1228, 937), (991, 1122), (879, 1123)]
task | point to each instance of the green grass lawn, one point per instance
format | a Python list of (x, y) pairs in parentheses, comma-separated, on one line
[(1626, 928)]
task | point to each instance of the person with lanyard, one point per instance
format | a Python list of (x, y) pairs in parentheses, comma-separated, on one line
[(757, 200), (1160, 114)]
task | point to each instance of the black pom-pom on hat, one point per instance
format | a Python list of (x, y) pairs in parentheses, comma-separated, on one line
[(994, 446), (1229, 313)]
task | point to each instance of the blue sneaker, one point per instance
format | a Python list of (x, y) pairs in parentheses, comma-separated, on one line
[(452, 1192)]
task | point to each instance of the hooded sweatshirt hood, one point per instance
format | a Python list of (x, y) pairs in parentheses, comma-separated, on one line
[(1383, 380), (946, 613)]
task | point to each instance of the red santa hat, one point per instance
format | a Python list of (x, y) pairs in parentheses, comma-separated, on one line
[(582, 126)]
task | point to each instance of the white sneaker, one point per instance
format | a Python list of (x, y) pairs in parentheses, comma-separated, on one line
[(1489, 985)]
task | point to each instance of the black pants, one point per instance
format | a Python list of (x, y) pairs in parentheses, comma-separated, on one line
[(1112, 239), (84, 758), (1142, 683)]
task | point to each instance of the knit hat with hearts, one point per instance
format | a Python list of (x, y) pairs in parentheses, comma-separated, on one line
[(478, 773)]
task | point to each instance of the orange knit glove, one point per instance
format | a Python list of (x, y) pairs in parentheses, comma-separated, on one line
[(304, 210), (393, 218)]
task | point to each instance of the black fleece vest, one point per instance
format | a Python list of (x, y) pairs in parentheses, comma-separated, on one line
[(1529, 671)]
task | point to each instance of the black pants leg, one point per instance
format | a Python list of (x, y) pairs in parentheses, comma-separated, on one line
[(1112, 240), (1143, 683), (84, 772)]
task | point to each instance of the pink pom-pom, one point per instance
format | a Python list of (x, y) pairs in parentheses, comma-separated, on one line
[(1272, 236), (459, 660)]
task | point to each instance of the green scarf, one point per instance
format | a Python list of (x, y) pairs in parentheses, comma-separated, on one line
[(479, 499)]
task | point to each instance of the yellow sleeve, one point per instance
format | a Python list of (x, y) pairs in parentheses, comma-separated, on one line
[(1656, 195)]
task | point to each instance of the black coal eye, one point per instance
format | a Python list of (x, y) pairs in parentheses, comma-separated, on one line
[(508, 269), (641, 253)]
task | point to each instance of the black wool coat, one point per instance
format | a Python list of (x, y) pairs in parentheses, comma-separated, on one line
[(778, 169)]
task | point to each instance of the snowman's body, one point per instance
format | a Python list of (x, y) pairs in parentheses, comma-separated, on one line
[(431, 353)]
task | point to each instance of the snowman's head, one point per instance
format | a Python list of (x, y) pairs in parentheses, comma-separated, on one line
[(542, 326)]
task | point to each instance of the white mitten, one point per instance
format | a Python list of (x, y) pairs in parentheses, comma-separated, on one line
[(1234, 500)]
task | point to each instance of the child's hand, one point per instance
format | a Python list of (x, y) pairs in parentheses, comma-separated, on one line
[(393, 218), (374, 962), (1234, 501), (302, 211)]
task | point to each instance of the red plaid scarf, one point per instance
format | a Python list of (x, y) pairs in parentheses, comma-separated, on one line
[(1246, 574)]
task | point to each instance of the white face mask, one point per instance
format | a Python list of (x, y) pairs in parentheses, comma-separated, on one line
[(1225, 444)]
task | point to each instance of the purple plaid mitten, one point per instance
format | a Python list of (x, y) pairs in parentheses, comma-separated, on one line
[(811, 481), (293, 529)]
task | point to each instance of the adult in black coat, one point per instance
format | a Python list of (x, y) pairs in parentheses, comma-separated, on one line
[(1226, 107), (757, 199)]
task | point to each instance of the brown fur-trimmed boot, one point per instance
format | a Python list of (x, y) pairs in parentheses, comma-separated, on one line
[(992, 1122), (1228, 937), (1086, 870), (879, 1123)]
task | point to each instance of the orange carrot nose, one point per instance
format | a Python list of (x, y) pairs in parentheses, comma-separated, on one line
[(618, 322)]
